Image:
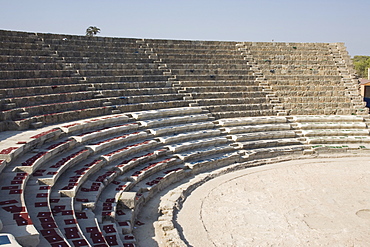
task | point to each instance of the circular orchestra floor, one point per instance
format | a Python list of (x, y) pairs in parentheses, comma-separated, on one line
[(308, 202)]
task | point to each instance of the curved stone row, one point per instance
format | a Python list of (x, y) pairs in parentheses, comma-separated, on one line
[(85, 182), (49, 78)]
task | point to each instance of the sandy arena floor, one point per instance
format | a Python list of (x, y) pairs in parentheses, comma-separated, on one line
[(315, 202)]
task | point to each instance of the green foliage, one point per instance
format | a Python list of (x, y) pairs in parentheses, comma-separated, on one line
[(361, 63), (92, 31)]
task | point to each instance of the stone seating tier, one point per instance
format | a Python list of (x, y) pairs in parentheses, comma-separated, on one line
[(295, 63), (18, 74), (280, 134), (293, 72), (310, 88), (209, 66), (49, 98), (116, 65), (289, 49), (26, 59), (289, 57), (284, 44), (31, 82), (242, 113), (217, 71), (297, 66), (219, 83), (54, 108), (16, 66), (35, 74), (93, 60), (290, 82), (232, 101), (231, 52), (123, 78), (26, 38), (122, 100), (222, 88), (127, 47), (60, 38), (24, 52), (293, 54), (203, 61), (273, 77), (212, 95), (186, 43), (213, 58), (88, 54), (295, 98)]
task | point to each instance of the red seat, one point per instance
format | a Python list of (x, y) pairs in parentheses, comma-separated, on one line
[(60, 244), (54, 238), (41, 204), (14, 209), (92, 229), (109, 228), (67, 212), (47, 220), (97, 237), (80, 242), (48, 232), (70, 221), (48, 225), (44, 214), (8, 202), (112, 240), (71, 232), (81, 215)]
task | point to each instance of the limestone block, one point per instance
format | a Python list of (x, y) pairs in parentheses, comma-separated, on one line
[(188, 136), (23, 114), (250, 121), (152, 123), (204, 152), (336, 132), (117, 141), (263, 135), (128, 199), (105, 132), (165, 112), (338, 139), (332, 125), (213, 141), (135, 148)]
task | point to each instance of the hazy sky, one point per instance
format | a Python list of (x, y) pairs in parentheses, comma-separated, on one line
[(235, 20)]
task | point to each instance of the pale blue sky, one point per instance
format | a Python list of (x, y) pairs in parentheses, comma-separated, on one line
[(236, 20)]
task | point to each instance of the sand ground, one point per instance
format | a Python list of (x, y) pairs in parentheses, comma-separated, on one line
[(320, 202), (310, 202)]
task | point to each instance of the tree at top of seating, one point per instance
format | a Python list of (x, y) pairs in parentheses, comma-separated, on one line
[(361, 63), (92, 31)]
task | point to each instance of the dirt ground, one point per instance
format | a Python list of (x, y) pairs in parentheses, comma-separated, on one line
[(320, 202), (310, 202)]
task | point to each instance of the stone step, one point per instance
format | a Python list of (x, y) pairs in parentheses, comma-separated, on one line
[(116, 111), (9, 106), (37, 125), (23, 114)]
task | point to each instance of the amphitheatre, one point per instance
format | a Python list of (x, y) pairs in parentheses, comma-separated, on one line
[(146, 142)]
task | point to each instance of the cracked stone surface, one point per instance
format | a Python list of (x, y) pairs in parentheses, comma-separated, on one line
[(315, 202)]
